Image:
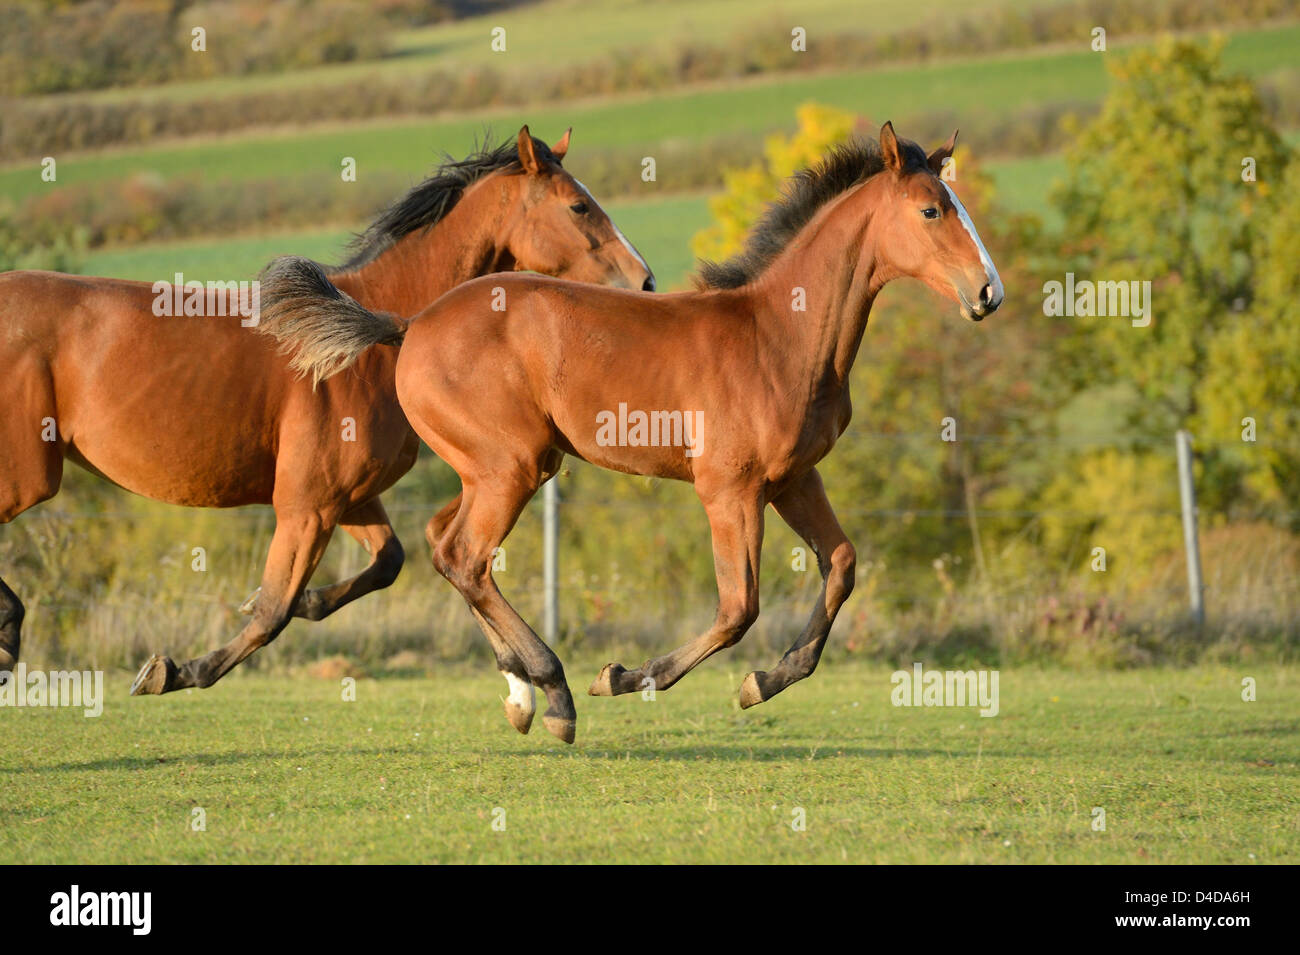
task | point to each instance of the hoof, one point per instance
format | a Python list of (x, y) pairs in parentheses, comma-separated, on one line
[(247, 606), (158, 675), (564, 729), (604, 685), (8, 659), (522, 719), (751, 694)]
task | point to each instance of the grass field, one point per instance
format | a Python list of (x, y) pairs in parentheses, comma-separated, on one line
[(546, 36), (972, 89), (413, 770)]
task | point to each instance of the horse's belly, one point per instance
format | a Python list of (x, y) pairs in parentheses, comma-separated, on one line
[(198, 475), (192, 421)]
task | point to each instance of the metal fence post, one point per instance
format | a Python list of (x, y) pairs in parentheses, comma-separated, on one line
[(551, 558), (1187, 491)]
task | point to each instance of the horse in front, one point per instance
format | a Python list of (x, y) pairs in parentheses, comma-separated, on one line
[(614, 376)]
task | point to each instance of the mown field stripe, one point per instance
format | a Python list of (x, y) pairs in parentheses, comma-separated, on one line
[(969, 90), (547, 36)]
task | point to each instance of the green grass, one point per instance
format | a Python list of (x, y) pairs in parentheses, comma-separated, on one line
[(1023, 185), (214, 258), (413, 770), (975, 88)]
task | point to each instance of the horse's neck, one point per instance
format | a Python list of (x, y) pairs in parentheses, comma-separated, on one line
[(410, 275), (839, 284)]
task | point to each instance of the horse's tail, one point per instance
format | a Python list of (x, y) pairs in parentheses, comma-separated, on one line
[(323, 327)]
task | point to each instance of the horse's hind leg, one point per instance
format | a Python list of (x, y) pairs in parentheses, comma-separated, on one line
[(804, 507), (463, 554), (296, 548), (368, 523), (521, 704), (31, 472)]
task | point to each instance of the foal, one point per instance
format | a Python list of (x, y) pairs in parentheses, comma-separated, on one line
[(757, 360)]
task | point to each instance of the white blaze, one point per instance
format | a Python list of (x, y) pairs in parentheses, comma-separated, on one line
[(630, 247), (990, 270), (621, 237)]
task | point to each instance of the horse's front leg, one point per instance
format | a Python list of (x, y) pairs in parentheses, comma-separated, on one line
[(296, 548), (805, 508), (736, 519)]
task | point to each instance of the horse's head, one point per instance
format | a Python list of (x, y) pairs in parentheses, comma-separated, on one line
[(924, 231), (556, 226)]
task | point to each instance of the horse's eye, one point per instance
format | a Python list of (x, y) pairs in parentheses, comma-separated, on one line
[(930, 213), (580, 208)]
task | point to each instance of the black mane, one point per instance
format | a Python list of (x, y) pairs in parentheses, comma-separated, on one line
[(429, 202), (806, 192)]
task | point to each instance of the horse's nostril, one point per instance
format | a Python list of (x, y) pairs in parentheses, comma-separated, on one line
[(986, 295), (649, 284)]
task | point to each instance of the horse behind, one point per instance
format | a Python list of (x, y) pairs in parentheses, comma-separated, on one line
[(196, 408)]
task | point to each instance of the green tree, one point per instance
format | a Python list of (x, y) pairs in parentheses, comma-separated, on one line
[(1254, 366), (1154, 192)]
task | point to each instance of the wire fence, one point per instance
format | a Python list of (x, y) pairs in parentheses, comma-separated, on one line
[(627, 589), (1075, 443)]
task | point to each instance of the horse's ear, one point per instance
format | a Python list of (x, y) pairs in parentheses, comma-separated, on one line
[(528, 153), (889, 147), (936, 158), (562, 146)]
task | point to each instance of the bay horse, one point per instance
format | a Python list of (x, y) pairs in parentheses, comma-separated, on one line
[(201, 411), (758, 357)]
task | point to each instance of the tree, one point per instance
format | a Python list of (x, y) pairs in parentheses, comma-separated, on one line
[(1252, 384), (1158, 191), (1154, 193)]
